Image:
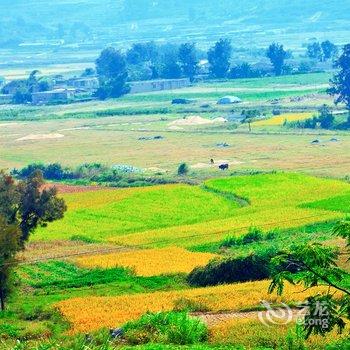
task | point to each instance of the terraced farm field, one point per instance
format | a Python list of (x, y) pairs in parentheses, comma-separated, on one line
[(86, 314), (119, 253), (130, 251), (149, 262), (176, 214)]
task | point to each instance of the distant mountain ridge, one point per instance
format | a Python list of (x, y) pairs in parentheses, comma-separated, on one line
[(38, 19)]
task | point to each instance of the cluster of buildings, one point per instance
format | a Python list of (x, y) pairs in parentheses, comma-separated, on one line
[(61, 90), (66, 90)]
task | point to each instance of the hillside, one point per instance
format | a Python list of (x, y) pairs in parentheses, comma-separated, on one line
[(29, 20)]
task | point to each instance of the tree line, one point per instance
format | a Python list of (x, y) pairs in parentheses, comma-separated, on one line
[(112, 66), (148, 61)]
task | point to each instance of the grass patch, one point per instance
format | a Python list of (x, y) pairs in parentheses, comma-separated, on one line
[(319, 232), (165, 328), (337, 203), (54, 276)]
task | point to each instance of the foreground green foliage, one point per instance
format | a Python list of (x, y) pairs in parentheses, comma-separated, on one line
[(313, 265), (167, 328)]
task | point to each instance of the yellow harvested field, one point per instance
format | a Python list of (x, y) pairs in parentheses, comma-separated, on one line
[(251, 333), (87, 314), (280, 119), (149, 262)]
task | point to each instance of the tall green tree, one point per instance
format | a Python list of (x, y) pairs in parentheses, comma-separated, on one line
[(37, 207), (314, 51), (329, 50), (142, 52), (326, 117), (9, 245), (171, 68), (277, 56), (112, 72), (219, 57), (340, 84), (24, 206), (316, 265), (188, 60), (27, 204)]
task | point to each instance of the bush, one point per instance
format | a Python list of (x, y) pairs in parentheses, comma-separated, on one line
[(253, 235), (165, 328), (50, 172), (184, 304), (83, 239), (253, 267), (183, 169), (88, 173), (9, 331)]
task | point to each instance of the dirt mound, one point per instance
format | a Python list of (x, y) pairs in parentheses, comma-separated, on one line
[(196, 120), (9, 124), (34, 137), (175, 127)]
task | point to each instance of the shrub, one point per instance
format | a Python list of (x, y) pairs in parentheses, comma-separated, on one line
[(271, 235), (9, 331), (184, 304), (165, 328), (82, 239), (50, 172), (253, 267), (253, 235), (230, 241), (183, 169)]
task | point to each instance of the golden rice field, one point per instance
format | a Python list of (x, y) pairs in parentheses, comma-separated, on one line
[(183, 216), (280, 119), (252, 333), (91, 313), (149, 262)]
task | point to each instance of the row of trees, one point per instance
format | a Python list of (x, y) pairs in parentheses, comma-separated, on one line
[(24, 205), (145, 61), (112, 66), (323, 51)]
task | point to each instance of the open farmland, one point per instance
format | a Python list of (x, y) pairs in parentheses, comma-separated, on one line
[(172, 215), (121, 252), (101, 312), (116, 141), (174, 175), (121, 131)]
